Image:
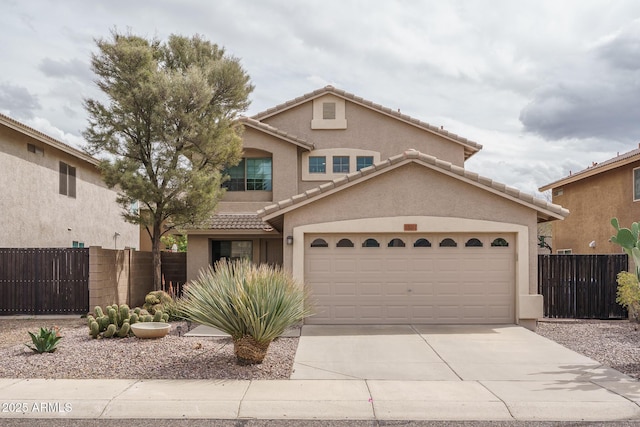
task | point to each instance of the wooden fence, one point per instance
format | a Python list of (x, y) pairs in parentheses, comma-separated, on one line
[(174, 271), (581, 286), (44, 281)]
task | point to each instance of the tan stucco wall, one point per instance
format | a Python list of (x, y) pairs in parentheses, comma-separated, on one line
[(36, 215), (438, 203), (593, 201), (369, 130)]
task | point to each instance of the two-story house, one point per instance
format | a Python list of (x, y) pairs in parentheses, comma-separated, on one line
[(595, 195), (53, 195), (374, 211)]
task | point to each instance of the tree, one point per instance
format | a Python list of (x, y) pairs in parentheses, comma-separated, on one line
[(167, 130)]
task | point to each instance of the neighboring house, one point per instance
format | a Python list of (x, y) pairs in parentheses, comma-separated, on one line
[(594, 196), (375, 212), (53, 195)]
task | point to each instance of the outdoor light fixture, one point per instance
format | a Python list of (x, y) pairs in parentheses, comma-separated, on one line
[(289, 240)]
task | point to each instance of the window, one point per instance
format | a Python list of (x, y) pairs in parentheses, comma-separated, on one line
[(340, 164), (448, 243), (319, 243), (35, 149), (564, 251), (363, 162), (344, 243), (317, 164), (328, 111), (251, 174), (232, 250), (67, 180), (473, 243), (636, 184), (76, 244), (396, 243), (499, 242), (422, 243), (370, 243)]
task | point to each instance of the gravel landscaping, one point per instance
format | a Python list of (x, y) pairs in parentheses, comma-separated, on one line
[(171, 357), (613, 343)]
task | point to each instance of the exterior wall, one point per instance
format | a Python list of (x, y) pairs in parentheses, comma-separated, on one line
[(593, 201), (415, 194), (118, 276), (36, 215), (368, 130)]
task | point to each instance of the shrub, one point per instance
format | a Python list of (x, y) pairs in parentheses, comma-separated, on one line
[(115, 321), (253, 304), (46, 341), (628, 294)]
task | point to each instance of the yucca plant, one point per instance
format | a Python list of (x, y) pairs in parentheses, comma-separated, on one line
[(46, 341), (254, 304)]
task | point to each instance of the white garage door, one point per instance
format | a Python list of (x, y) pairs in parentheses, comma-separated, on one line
[(411, 278)]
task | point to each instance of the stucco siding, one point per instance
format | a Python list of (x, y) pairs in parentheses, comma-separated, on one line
[(593, 201), (36, 215), (413, 190)]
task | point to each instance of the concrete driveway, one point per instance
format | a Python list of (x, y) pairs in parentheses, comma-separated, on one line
[(506, 371)]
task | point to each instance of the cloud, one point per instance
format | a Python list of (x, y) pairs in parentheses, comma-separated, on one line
[(72, 68), (594, 97), (18, 101)]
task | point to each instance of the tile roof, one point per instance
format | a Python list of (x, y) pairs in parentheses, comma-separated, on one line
[(248, 121), (596, 168), (471, 147), (550, 209), (46, 139), (236, 221)]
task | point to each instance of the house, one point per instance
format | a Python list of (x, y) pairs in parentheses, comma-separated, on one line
[(53, 195), (595, 195), (374, 211)]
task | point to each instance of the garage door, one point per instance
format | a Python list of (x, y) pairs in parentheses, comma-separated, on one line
[(410, 278)]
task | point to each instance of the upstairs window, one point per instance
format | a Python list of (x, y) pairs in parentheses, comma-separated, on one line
[(251, 174), (67, 185), (340, 164), (636, 184), (363, 162), (317, 164), (35, 149)]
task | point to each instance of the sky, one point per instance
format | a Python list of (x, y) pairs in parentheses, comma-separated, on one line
[(546, 86)]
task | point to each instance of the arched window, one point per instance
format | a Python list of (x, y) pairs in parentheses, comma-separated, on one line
[(499, 242), (344, 243), (422, 243), (448, 243), (370, 243), (396, 243), (473, 243), (319, 243)]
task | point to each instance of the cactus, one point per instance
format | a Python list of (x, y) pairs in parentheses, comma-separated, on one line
[(147, 318), (111, 330), (94, 329), (124, 330), (98, 311), (628, 239), (165, 317), (104, 322), (90, 319), (123, 314), (133, 319), (158, 316), (137, 310)]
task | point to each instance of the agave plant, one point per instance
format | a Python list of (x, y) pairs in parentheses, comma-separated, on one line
[(46, 341), (254, 304)]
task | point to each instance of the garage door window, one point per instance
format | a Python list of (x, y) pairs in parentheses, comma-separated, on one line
[(422, 243), (499, 242), (473, 243), (344, 243), (370, 243), (319, 243), (448, 243), (396, 243)]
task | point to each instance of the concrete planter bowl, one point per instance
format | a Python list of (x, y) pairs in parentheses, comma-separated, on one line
[(150, 329)]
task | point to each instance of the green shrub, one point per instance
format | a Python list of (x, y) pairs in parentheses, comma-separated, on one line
[(253, 304), (628, 294), (46, 341)]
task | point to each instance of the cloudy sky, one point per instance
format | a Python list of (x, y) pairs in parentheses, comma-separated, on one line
[(546, 86)]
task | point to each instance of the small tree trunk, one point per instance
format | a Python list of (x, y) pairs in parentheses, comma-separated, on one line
[(155, 251), (248, 351)]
